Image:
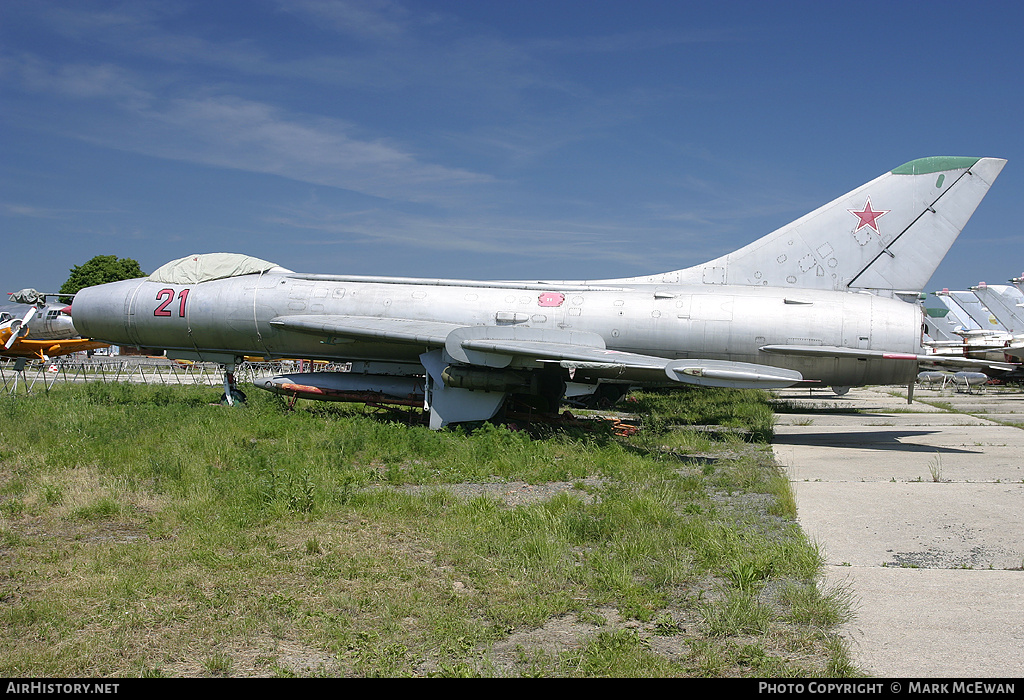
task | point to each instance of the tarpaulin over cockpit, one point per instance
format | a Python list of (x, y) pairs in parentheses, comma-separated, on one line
[(195, 269)]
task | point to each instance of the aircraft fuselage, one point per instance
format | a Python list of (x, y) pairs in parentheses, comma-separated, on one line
[(48, 323), (235, 317)]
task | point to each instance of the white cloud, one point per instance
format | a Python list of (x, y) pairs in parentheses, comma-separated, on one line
[(109, 105), (247, 135), (375, 19), (102, 81)]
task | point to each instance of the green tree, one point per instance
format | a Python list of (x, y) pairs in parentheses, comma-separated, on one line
[(100, 270)]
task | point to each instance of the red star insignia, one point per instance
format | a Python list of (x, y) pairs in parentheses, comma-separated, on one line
[(867, 216)]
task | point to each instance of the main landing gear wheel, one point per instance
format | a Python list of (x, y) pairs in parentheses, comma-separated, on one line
[(232, 396), (237, 398)]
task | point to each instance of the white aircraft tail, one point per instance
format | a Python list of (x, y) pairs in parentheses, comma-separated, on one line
[(957, 313), (970, 302), (940, 325), (889, 234), (1006, 303)]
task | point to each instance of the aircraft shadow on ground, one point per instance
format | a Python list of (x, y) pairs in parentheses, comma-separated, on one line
[(873, 440)]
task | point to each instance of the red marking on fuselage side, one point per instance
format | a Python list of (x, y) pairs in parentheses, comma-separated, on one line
[(550, 299)]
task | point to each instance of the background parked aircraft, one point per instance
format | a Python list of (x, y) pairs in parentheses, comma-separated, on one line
[(967, 329), (1005, 302), (33, 328), (978, 311), (49, 321)]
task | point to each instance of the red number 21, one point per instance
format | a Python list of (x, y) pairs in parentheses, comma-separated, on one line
[(168, 296)]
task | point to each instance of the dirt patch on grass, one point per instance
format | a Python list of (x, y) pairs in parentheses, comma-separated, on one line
[(511, 493)]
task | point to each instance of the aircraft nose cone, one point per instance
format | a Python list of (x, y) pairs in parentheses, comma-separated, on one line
[(103, 311)]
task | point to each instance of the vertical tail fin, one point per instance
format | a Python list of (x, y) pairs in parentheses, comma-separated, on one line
[(889, 234), (964, 320), (1005, 303), (971, 302), (940, 324)]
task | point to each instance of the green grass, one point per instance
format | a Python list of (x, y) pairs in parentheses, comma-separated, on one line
[(146, 532)]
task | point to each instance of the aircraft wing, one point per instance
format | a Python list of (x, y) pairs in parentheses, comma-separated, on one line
[(503, 346), (49, 348), (834, 351), (573, 356)]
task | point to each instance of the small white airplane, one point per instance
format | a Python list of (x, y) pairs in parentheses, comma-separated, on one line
[(831, 298)]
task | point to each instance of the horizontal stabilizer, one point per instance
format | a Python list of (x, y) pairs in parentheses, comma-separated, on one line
[(943, 361), (836, 351), (832, 351)]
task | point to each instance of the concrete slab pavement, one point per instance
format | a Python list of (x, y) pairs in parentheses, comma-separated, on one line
[(918, 510)]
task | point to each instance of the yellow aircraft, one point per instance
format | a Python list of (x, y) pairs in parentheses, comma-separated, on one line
[(15, 344)]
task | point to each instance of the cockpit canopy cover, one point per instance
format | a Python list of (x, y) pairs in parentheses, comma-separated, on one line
[(28, 296), (194, 269)]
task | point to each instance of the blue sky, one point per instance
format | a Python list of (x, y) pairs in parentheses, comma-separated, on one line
[(485, 139)]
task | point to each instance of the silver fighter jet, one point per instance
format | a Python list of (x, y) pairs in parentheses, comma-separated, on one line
[(832, 298)]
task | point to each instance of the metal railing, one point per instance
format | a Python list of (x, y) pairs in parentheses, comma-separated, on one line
[(36, 375)]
